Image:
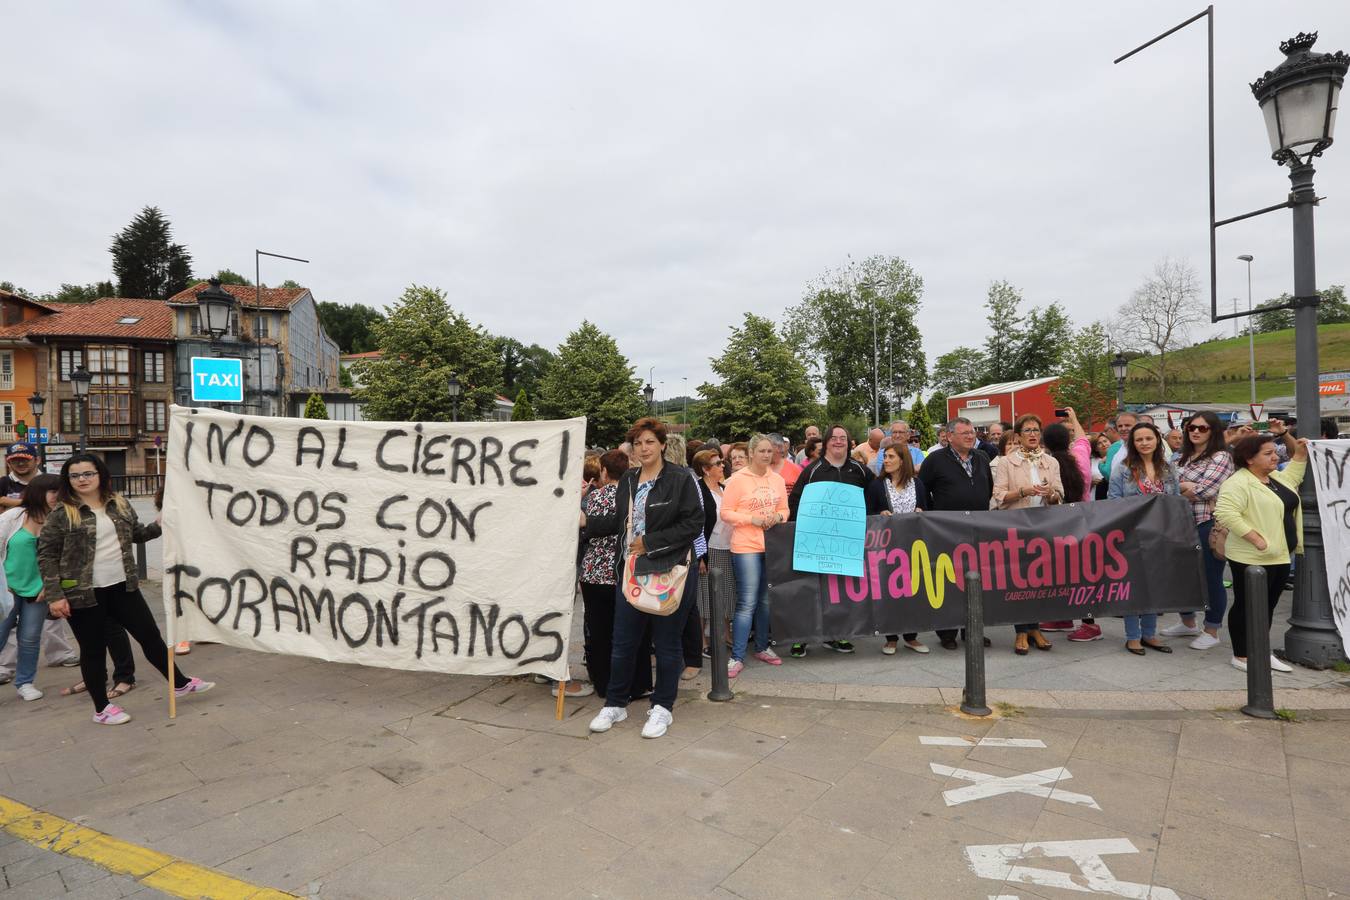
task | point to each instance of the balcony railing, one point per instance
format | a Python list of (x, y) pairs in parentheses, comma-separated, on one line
[(137, 485), (6, 381)]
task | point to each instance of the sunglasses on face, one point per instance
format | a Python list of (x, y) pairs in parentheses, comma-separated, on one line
[(1198, 429)]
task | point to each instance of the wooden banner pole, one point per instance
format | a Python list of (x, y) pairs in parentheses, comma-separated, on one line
[(173, 694), (562, 696)]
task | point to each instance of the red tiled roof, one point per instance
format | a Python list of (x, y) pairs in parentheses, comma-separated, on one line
[(268, 298), (53, 307), (154, 321), (369, 354)]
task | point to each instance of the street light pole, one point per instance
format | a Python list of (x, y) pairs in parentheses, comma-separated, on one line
[(79, 380), (1298, 99), (1119, 367), (1251, 331), (37, 404)]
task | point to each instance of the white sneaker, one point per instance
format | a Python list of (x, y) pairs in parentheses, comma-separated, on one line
[(604, 720), (658, 720), (1279, 665), (28, 692), (1181, 629), (111, 715), (1204, 641), (1239, 664)]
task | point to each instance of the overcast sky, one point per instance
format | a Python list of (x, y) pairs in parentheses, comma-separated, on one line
[(657, 168)]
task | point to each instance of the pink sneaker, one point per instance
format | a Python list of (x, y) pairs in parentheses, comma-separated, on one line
[(194, 686), (1086, 632), (111, 715), (769, 657), (734, 668)]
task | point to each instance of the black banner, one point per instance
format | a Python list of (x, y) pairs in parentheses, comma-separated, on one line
[(1062, 562)]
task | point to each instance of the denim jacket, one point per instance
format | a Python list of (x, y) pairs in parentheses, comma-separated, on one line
[(66, 551), (1124, 485)]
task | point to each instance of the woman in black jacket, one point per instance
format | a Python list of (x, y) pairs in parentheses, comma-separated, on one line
[(658, 503), (897, 492)]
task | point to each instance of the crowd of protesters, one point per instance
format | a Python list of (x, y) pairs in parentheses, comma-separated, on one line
[(646, 511)]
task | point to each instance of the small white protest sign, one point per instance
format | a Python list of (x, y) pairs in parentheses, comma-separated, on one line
[(431, 546), (1330, 461)]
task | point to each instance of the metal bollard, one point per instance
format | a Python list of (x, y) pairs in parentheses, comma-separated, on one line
[(972, 698), (141, 567), (717, 643), (1260, 690)]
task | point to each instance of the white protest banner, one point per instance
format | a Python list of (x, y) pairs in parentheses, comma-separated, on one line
[(1330, 461), (430, 546)]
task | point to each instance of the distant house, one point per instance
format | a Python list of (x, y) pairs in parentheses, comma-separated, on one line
[(20, 361), (128, 347), (1004, 402), (275, 332)]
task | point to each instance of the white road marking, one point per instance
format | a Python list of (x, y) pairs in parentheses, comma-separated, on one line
[(996, 861), (1033, 783), (934, 741)]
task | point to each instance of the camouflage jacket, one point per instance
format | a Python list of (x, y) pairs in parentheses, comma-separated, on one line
[(66, 551)]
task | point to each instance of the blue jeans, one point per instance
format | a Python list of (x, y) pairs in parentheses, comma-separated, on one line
[(752, 604), (1218, 594), (29, 614), (667, 634), (1141, 626)]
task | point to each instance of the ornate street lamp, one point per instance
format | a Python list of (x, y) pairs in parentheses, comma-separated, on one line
[(215, 305), (1299, 98), (649, 392), (37, 404), (1119, 368), (79, 380), (898, 383), (453, 388)]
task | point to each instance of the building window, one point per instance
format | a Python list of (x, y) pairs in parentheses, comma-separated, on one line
[(7, 420), (156, 415), (70, 360), (109, 414), (6, 370), (234, 322), (152, 366), (70, 417), (13, 314), (110, 366), (262, 326), (194, 321)]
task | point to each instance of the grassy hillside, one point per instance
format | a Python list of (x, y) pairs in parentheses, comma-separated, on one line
[(1217, 371)]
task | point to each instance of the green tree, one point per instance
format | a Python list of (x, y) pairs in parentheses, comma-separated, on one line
[(937, 409), (522, 411), (522, 367), (958, 371), (352, 325), (1044, 338), (424, 341), (146, 262), (67, 293), (592, 378), (1085, 379), (1002, 348), (291, 284), (227, 276), (345, 377), (831, 329), (921, 424), (762, 385), (1333, 308), (315, 408)]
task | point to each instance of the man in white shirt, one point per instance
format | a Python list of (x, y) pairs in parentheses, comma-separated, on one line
[(899, 437), (942, 440), (811, 432)]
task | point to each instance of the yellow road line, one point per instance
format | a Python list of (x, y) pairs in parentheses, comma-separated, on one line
[(150, 867)]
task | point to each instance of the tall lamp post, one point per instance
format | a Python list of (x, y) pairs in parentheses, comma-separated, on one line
[(1119, 367), (649, 392), (453, 388), (37, 404), (1298, 98), (1251, 334), (80, 379), (898, 383)]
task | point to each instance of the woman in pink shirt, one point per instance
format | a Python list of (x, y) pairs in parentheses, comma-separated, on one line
[(753, 500)]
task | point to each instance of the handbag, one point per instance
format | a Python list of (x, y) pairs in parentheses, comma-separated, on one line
[(656, 593), (1218, 536)]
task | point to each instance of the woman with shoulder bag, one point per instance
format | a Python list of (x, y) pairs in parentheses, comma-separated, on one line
[(1203, 467), (19, 528), (89, 577), (658, 504), (1259, 506)]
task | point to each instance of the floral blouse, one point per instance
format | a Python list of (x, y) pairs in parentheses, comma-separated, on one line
[(598, 562)]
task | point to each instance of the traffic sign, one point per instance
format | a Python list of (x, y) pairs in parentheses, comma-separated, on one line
[(55, 455), (1258, 409), (217, 379)]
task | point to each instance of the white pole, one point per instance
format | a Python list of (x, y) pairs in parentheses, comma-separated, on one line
[(1251, 339)]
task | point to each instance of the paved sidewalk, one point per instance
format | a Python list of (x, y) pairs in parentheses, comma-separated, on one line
[(349, 782)]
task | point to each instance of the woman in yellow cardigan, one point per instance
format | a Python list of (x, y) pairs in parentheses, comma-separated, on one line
[(1260, 508)]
